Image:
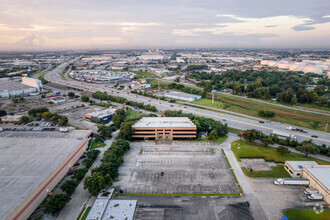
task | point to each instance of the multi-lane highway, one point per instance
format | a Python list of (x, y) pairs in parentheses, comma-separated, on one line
[(232, 120)]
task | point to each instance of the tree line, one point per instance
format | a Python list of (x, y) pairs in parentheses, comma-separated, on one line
[(287, 87), (306, 147), (104, 96)]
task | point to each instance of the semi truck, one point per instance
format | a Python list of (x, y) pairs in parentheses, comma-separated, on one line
[(284, 134), (291, 181), (309, 191), (315, 196)]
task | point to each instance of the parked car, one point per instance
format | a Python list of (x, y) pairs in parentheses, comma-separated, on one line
[(70, 172), (76, 164)]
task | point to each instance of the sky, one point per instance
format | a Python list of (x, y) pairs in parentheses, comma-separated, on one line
[(167, 24)]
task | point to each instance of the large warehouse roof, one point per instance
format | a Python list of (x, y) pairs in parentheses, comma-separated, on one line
[(10, 85), (298, 165), (320, 172), (161, 122), (28, 158)]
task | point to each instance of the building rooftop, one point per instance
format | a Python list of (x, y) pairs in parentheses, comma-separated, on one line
[(299, 165), (181, 94), (28, 158), (160, 122), (120, 209), (99, 205), (320, 172), (11, 85)]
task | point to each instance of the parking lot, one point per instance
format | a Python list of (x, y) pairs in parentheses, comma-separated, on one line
[(180, 168)]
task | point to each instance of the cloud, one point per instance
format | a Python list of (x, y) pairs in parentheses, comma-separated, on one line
[(30, 40), (270, 26), (303, 28)]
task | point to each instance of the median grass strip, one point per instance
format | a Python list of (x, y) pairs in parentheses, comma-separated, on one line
[(307, 214), (243, 149), (177, 194), (251, 107), (81, 213), (276, 172), (86, 213), (232, 172)]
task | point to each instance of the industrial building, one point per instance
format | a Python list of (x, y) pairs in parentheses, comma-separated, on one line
[(164, 128), (319, 178), (32, 164), (58, 100), (182, 96), (35, 83), (10, 88), (11, 118), (295, 168), (101, 116), (104, 208)]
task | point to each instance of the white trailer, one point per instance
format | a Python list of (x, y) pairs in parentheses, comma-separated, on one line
[(284, 134), (291, 181), (64, 129), (315, 196)]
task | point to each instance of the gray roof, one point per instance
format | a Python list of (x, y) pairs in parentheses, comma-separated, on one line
[(164, 122), (28, 158), (298, 165), (120, 210), (322, 173), (10, 85), (99, 205)]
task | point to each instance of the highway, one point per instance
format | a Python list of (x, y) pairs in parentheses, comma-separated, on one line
[(233, 121)]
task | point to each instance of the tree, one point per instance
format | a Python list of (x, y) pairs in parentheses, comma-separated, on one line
[(283, 150), (25, 119), (93, 154), (85, 98), (213, 135), (79, 174), (46, 115), (307, 148), (314, 124), (71, 95), (266, 140), (88, 162), (55, 203), (3, 113), (105, 131), (69, 186), (97, 182), (126, 131)]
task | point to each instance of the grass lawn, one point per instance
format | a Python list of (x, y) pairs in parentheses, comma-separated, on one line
[(219, 141), (82, 211), (86, 213), (247, 150), (133, 115), (234, 130), (95, 143), (307, 214), (251, 107), (278, 172), (141, 74)]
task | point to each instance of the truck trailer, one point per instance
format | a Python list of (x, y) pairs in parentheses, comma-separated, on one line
[(291, 181), (284, 134)]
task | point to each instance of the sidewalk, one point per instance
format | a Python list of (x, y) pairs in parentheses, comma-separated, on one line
[(81, 197)]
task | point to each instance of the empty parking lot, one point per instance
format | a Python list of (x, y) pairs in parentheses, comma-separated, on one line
[(179, 168)]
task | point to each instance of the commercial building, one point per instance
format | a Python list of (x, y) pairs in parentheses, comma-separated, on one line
[(36, 83), (101, 116), (106, 209), (11, 88), (11, 118), (32, 164), (319, 178), (182, 96), (295, 168), (58, 100), (165, 128)]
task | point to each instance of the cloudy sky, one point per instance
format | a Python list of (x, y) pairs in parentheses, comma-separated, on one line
[(124, 24)]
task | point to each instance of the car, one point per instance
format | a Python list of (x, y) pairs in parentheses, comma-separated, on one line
[(224, 120), (261, 122), (162, 173), (314, 136), (76, 164), (70, 172)]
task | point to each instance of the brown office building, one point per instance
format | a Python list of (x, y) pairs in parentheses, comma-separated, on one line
[(164, 128)]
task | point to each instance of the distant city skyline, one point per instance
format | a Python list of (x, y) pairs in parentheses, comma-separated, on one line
[(128, 24)]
